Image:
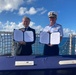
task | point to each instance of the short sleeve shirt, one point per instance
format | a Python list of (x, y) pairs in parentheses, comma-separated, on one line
[(54, 28)]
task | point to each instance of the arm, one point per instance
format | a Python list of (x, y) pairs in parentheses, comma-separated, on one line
[(61, 33), (61, 38)]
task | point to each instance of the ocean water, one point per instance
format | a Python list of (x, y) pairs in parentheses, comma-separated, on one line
[(63, 41)]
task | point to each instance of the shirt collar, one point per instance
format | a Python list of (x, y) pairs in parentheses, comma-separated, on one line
[(53, 25), (26, 27)]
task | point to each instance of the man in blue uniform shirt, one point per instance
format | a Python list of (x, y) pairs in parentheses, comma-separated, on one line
[(21, 47), (50, 49)]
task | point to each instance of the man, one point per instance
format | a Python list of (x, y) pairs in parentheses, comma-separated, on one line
[(21, 47), (49, 49)]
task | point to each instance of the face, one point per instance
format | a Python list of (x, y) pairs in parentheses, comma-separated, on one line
[(53, 19), (26, 22)]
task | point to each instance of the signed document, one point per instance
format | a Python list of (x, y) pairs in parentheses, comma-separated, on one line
[(26, 36), (55, 38), (50, 38), (44, 38)]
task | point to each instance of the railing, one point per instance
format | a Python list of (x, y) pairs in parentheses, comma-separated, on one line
[(72, 43), (64, 49), (5, 42), (7, 48), (69, 47)]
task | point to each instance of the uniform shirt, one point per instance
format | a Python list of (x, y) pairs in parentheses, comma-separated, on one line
[(54, 28)]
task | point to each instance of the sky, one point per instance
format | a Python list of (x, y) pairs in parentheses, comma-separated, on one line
[(12, 12)]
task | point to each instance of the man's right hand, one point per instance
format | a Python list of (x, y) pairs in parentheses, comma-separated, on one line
[(50, 45), (22, 42)]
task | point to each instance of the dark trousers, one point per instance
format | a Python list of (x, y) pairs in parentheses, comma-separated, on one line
[(24, 50), (51, 50)]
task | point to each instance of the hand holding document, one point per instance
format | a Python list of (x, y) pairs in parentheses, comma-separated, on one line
[(26, 36), (22, 42), (50, 38)]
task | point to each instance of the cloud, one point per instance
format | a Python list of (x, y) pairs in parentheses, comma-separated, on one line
[(31, 11), (67, 32), (1, 26), (30, 1), (10, 5), (38, 28), (23, 11), (43, 11), (9, 26)]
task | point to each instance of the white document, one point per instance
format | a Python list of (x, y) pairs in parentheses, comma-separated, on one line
[(28, 36), (44, 37), (18, 35), (55, 38), (66, 62), (24, 63)]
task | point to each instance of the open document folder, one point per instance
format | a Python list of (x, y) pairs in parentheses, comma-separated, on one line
[(26, 36), (50, 38)]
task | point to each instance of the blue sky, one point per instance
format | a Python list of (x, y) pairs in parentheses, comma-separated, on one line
[(12, 11)]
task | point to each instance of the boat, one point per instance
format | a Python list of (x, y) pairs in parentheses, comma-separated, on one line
[(7, 47)]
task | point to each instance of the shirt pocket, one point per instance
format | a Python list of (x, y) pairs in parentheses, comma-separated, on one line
[(55, 30)]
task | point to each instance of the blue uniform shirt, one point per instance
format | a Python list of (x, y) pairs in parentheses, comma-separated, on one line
[(54, 28)]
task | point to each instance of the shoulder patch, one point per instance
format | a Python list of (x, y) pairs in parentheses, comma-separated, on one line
[(58, 24)]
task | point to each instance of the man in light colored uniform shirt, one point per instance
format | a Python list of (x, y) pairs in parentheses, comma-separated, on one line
[(52, 27), (55, 28)]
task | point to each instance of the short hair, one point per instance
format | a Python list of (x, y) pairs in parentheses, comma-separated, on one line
[(25, 17)]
